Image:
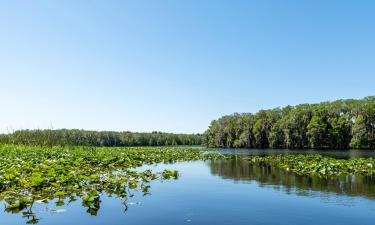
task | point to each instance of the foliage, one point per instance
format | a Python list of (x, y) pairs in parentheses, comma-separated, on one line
[(318, 165), (66, 137), (341, 124), (241, 168), (64, 174)]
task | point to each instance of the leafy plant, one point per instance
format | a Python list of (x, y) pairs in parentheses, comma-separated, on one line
[(64, 174)]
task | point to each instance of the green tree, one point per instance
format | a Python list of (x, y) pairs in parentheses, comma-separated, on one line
[(317, 132), (359, 133)]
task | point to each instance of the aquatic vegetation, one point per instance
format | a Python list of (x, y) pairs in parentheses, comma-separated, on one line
[(62, 175), (318, 165), (65, 174), (242, 169)]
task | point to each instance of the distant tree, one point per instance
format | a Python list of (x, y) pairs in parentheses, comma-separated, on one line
[(359, 132), (338, 125), (74, 137)]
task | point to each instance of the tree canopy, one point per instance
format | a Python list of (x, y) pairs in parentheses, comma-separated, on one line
[(73, 137), (340, 124)]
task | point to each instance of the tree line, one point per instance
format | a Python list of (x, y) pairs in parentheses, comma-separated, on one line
[(340, 124), (74, 137)]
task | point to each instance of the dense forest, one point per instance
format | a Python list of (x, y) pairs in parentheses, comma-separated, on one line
[(341, 124), (74, 137)]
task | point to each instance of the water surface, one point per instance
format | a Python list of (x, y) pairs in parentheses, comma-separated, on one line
[(226, 192), (343, 154)]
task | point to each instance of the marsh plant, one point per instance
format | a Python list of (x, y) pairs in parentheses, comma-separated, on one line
[(65, 174), (318, 165), (62, 175)]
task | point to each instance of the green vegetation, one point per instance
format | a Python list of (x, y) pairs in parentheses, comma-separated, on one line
[(340, 124), (65, 137), (241, 168), (61, 175), (65, 174), (318, 165)]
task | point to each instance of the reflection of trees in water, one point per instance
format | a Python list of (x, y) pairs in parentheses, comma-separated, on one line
[(240, 169)]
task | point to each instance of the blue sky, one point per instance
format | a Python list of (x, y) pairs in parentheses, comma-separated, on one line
[(175, 65)]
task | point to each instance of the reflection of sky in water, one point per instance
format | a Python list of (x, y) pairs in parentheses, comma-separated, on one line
[(202, 196)]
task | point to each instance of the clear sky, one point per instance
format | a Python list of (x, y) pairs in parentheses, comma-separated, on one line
[(175, 65)]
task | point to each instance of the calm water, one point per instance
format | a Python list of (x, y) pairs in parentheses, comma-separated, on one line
[(344, 154), (227, 192)]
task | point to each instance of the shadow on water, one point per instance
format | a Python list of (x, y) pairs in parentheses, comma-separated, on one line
[(237, 168), (341, 154), (240, 169)]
